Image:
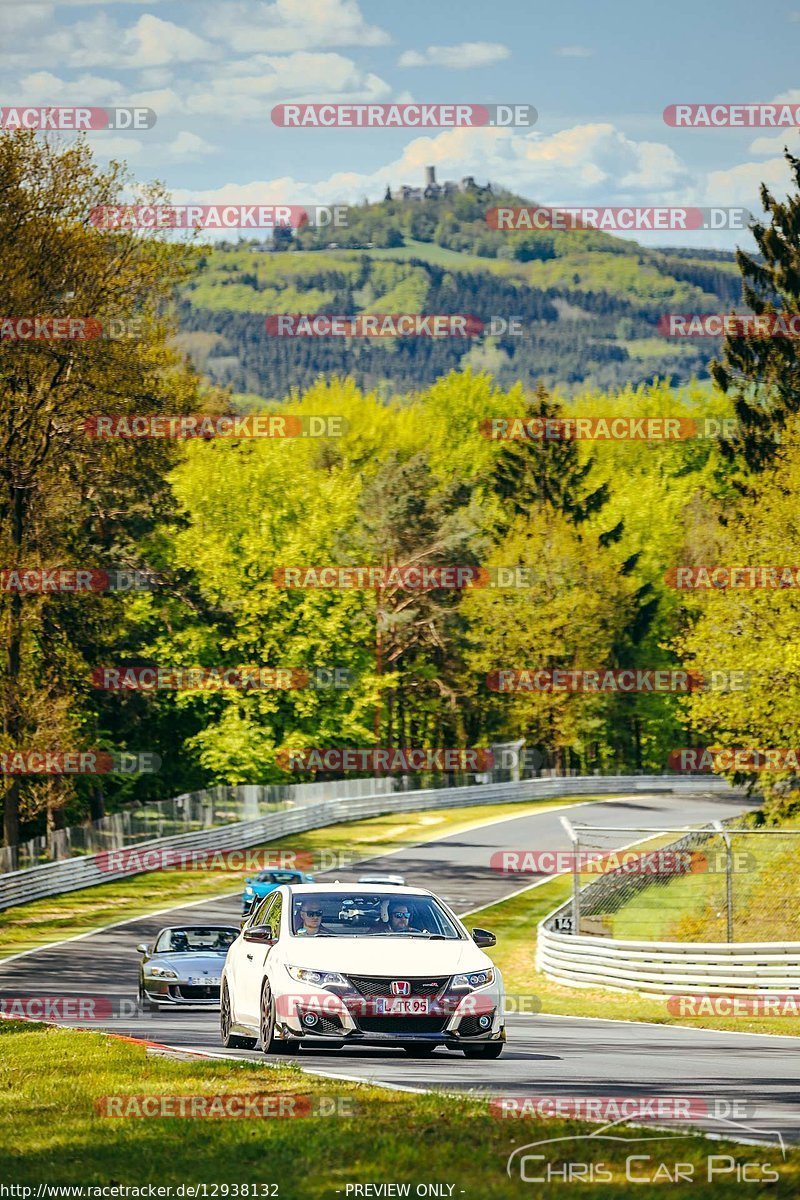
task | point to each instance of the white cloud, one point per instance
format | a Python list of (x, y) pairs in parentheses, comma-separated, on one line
[(288, 25), (574, 52), (265, 79), (187, 146), (462, 56), (775, 143), (42, 87), (156, 43), (741, 184), (107, 146)]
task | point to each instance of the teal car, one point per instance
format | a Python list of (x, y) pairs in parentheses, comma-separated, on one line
[(260, 885)]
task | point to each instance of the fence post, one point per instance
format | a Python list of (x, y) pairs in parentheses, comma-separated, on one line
[(728, 880), (576, 875)]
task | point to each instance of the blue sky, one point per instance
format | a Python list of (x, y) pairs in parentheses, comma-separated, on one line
[(599, 75)]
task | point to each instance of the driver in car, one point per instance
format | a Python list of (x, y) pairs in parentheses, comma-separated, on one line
[(311, 920)]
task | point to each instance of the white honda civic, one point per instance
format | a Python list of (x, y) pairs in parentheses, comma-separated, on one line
[(360, 964)]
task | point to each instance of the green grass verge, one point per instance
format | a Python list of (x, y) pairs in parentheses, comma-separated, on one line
[(43, 921), (514, 923), (51, 1081)]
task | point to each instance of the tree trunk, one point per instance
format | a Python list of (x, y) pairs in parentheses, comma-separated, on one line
[(13, 720)]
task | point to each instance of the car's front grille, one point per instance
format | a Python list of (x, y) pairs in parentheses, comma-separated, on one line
[(401, 1025), (185, 991), (381, 985)]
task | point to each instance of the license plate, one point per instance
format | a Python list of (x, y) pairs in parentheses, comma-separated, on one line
[(396, 1006), (203, 981)]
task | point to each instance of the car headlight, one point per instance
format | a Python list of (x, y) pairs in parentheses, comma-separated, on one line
[(318, 978), (473, 979), (163, 973), (248, 891)]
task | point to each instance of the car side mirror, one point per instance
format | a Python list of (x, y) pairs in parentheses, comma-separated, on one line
[(260, 933), (142, 948), (483, 938)]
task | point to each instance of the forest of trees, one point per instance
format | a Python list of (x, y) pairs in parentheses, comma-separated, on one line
[(413, 479)]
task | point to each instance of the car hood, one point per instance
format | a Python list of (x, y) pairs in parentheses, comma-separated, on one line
[(210, 961), (390, 956)]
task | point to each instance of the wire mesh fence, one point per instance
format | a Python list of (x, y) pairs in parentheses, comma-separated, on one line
[(723, 883)]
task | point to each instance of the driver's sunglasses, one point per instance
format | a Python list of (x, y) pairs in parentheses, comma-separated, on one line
[(404, 916), (310, 912)]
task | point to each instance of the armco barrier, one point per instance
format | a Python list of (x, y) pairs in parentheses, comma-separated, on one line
[(667, 968), (51, 879)]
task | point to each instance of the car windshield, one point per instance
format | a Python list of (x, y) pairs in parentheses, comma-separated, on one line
[(277, 877), (370, 914), (190, 940)]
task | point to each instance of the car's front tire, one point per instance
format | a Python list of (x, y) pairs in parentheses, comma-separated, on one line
[(487, 1050), (269, 1043), (231, 1041)]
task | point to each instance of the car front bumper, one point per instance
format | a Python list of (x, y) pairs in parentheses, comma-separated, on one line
[(454, 1020), (180, 994)]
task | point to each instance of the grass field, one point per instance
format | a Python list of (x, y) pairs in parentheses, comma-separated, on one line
[(52, 1083), (45, 921)]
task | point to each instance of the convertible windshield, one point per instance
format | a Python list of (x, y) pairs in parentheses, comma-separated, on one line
[(191, 939), (370, 914)]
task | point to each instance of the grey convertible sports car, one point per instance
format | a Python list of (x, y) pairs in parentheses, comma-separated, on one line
[(183, 966)]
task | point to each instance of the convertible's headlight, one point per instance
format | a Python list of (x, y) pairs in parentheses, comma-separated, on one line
[(318, 978), (248, 891), (163, 973), (473, 979)]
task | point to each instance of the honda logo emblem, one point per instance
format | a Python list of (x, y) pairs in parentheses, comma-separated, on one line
[(400, 987)]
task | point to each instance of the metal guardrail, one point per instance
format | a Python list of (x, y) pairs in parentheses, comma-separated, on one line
[(51, 879), (667, 968)]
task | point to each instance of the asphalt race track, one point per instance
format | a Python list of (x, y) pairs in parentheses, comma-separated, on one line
[(545, 1055)]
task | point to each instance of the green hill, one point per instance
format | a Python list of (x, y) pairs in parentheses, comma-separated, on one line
[(588, 303)]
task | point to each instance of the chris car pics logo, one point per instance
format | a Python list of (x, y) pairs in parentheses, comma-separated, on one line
[(606, 1156)]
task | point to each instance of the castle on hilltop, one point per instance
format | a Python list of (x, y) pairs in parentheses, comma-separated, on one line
[(435, 191)]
